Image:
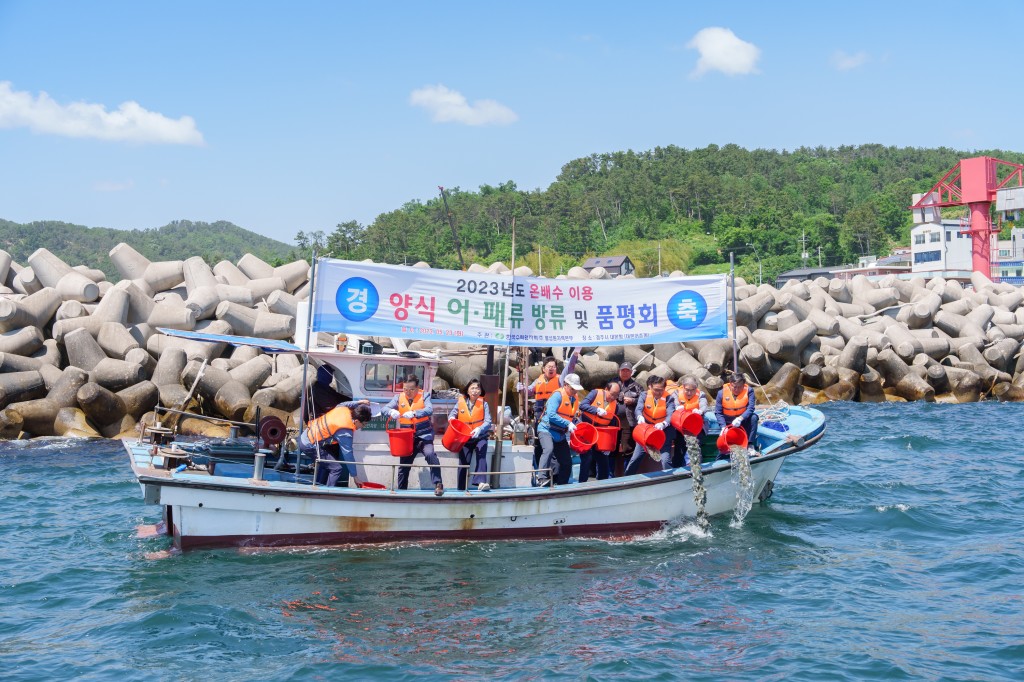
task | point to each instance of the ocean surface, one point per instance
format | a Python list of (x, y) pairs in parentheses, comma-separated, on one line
[(892, 550)]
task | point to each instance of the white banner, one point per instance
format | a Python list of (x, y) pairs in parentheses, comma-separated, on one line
[(369, 299)]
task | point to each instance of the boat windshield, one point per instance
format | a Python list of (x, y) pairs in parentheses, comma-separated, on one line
[(388, 376)]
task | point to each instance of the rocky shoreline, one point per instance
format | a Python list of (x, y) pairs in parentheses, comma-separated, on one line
[(80, 357)]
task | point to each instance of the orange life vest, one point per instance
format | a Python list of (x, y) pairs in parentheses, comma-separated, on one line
[(655, 410), (405, 406), (691, 404), (601, 403), (326, 425), (568, 408), (545, 388), (474, 417), (734, 406)]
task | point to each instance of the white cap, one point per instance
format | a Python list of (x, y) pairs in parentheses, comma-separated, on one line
[(573, 380)]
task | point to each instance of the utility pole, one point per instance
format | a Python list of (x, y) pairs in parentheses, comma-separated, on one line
[(803, 247), (540, 270), (819, 256), (451, 223), (659, 259)]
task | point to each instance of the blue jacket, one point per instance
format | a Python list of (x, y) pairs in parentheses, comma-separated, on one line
[(552, 422)]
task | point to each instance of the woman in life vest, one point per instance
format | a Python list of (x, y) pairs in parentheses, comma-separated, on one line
[(599, 408), (412, 407), (558, 422), (689, 397), (472, 410), (734, 408), (654, 407), (332, 433)]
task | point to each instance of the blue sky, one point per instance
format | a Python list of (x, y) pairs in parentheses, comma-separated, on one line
[(281, 117)]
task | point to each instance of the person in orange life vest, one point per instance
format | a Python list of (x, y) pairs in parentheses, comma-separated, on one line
[(560, 413), (688, 397), (541, 389), (599, 409), (413, 407), (654, 406), (734, 407), (338, 425), (472, 409)]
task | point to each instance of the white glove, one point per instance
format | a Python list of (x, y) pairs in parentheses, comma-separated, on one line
[(520, 387), (601, 412), (409, 415), (572, 427), (474, 433), (737, 421), (641, 420), (660, 426), (393, 414)]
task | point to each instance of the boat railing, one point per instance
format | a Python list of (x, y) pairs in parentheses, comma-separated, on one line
[(394, 469)]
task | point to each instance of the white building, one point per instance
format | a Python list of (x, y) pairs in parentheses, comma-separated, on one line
[(940, 247)]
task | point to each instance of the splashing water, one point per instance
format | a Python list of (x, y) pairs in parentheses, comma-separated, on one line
[(740, 461), (700, 495)]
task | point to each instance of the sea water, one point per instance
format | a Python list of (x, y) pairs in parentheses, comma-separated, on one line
[(891, 550)]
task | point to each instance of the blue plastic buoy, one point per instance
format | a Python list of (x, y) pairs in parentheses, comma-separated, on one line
[(181, 467)]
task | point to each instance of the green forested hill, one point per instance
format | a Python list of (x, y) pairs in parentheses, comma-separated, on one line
[(178, 240), (698, 204)]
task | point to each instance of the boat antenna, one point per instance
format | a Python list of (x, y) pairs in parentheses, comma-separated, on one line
[(305, 354), (451, 223), (732, 282)]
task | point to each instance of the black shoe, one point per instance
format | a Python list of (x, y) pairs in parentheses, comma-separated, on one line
[(544, 483), (438, 490)]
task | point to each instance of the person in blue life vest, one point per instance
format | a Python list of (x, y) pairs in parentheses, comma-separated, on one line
[(558, 422), (473, 410), (599, 408), (689, 397), (329, 436), (654, 407), (412, 407), (541, 389), (734, 408)]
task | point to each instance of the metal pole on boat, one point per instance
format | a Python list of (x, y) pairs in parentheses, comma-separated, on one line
[(499, 418), (732, 282), (305, 355)]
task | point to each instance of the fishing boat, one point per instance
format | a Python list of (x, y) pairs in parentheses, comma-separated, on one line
[(260, 492)]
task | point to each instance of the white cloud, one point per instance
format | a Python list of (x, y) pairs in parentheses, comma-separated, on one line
[(112, 186), (128, 123), (721, 50), (844, 62), (450, 106)]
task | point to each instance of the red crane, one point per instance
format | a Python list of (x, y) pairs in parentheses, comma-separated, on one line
[(974, 183)]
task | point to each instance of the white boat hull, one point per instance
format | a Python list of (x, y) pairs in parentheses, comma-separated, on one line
[(210, 511)]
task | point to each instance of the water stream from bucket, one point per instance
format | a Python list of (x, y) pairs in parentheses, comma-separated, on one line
[(740, 462), (700, 495)]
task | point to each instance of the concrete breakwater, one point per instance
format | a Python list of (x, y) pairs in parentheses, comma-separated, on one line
[(79, 355)]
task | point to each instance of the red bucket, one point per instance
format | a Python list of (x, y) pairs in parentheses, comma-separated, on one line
[(648, 436), (456, 435), (370, 485), (400, 441), (687, 422), (607, 438), (583, 437), (732, 435)]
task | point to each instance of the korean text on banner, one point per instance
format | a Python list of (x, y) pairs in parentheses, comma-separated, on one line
[(369, 299)]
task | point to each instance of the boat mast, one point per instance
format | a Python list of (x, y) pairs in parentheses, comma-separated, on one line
[(305, 354), (732, 282), (499, 419)]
